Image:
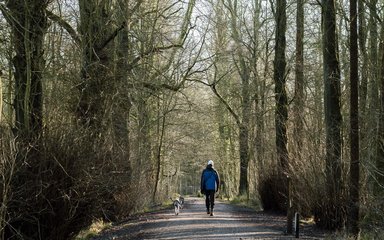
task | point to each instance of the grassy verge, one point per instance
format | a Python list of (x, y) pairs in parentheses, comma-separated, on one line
[(96, 227), (243, 201), (364, 235), (99, 225)]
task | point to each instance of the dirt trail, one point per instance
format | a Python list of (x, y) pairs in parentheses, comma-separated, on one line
[(229, 222)]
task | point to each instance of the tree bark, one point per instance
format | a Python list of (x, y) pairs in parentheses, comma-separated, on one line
[(354, 188), (29, 25), (281, 112), (299, 81), (373, 82), (380, 134), (333, 209), (96, 63)]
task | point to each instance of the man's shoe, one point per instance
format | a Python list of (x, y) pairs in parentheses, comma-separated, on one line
[(211, 212), (208, 211)]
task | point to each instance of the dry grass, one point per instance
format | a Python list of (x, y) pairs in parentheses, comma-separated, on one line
[(96, 227)]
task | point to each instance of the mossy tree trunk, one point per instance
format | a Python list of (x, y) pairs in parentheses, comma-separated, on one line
[(28, 21), (97, 34)]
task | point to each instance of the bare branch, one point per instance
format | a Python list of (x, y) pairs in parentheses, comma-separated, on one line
[(5, 12), (64, 24), (111, 37), (234, 115), (149, 52)]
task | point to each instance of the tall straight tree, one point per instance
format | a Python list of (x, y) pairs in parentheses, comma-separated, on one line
[(29, 24), (372, 104), (299, 80), (333, 209), (223, 117), (244, 73), (353, 214), (281, 113)]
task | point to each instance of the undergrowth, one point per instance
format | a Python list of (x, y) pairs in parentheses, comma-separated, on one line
[(372, 234), (96, 227), (244, 201)]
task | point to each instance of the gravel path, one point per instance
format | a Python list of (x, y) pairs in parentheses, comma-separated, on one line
[(229, 222)]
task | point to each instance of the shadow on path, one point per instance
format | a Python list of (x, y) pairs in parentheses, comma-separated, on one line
[(229, 222)]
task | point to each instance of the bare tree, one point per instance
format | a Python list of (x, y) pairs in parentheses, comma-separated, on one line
[(334, 209), (281, 112), (299, 81), (243, 69)]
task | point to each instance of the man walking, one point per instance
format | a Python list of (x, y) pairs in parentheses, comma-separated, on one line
[(210, 183)]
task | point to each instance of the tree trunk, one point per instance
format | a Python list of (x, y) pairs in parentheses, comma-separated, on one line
[(122, 103), (333, 210), (354, 188), (298, 108), (373, 99), (380, 135), (363, 86), (299, 81), (29, 25), (244, 72), (96, 63), (281, 112), (161, 116), (362, 39)]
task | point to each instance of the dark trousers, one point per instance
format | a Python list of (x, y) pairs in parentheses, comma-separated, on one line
[(209, 198)]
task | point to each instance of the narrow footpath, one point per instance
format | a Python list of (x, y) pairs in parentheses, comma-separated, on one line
[(229, 222)]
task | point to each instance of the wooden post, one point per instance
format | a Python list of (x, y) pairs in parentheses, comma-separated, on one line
[(297, 224), (289, 207)]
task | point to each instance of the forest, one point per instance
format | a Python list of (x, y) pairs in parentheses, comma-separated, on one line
[(110, 106)]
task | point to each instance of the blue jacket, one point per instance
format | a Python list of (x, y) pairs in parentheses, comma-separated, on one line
[(209, 179)]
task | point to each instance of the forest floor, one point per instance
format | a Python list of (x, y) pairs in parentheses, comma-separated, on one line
[(229, 222)]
